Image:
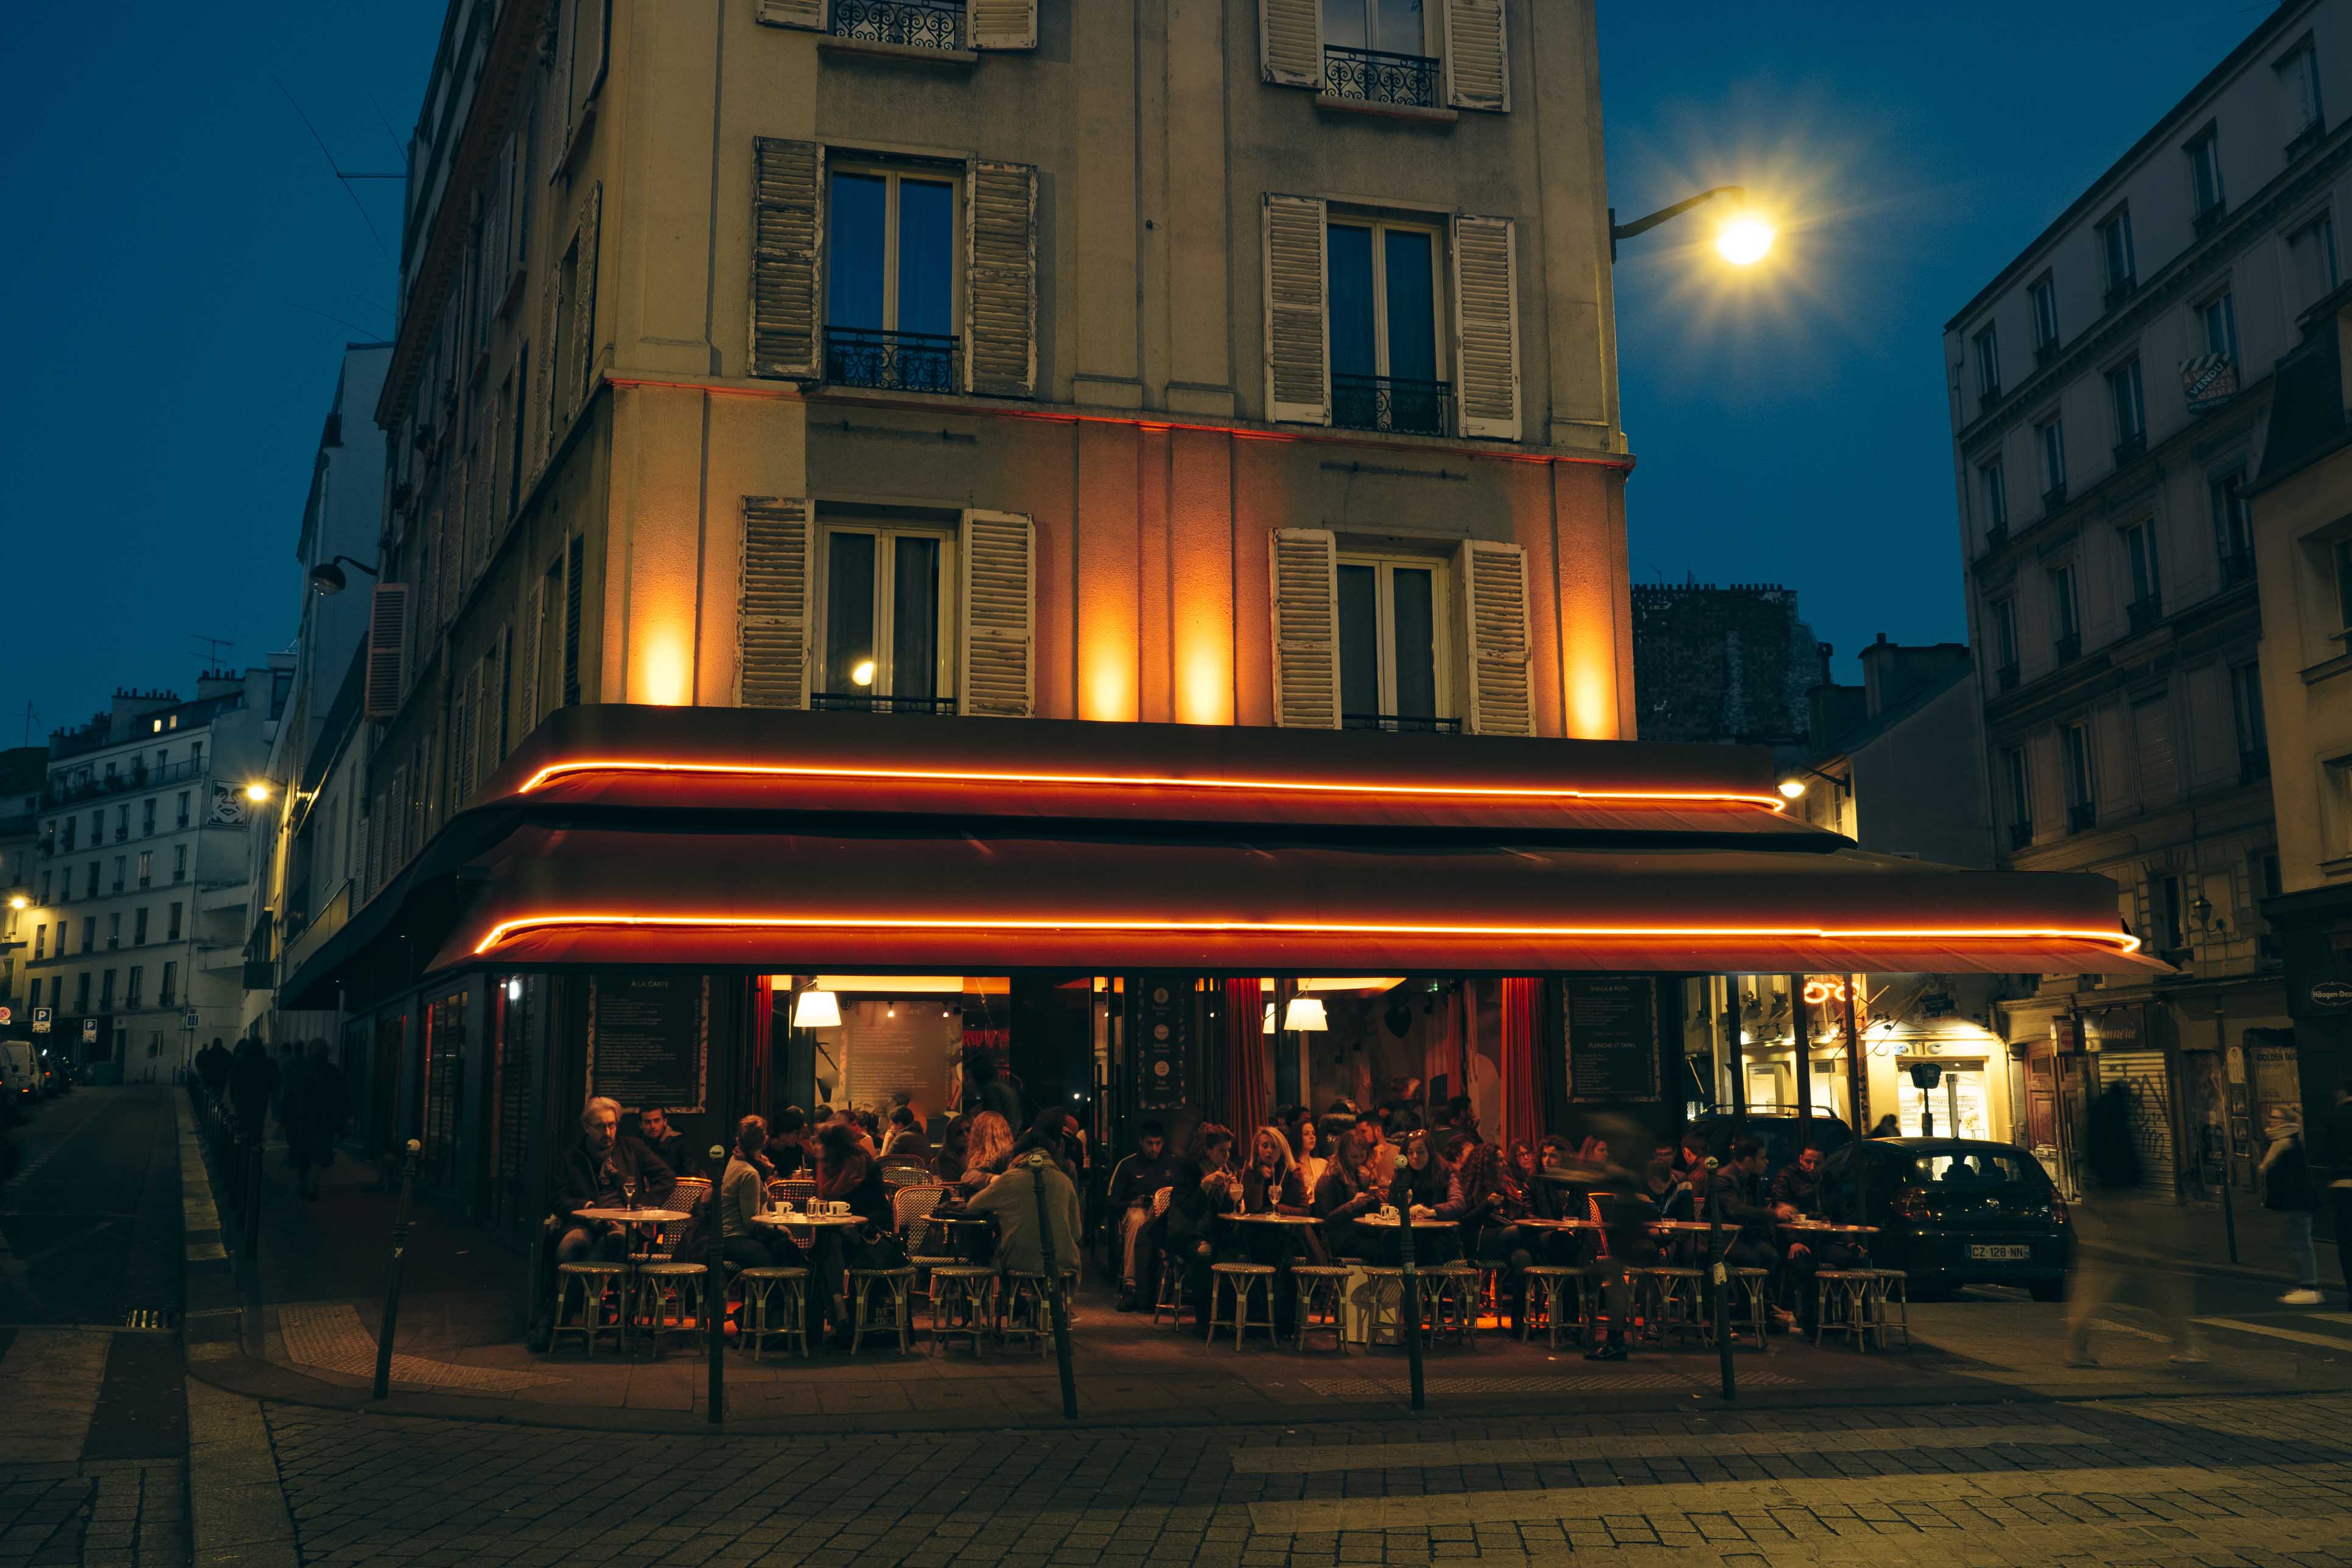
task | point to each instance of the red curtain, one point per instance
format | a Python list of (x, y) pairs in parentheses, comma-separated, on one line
[(1245, 1108), (1522, 1079)]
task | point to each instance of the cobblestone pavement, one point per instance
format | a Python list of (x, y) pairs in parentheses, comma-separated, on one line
[(114, 1513), (2160, 1482)]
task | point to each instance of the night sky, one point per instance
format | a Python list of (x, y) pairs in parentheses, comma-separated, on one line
[(183, 270)]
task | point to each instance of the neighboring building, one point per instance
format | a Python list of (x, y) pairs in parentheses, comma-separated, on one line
[(2110, 392), (138, 917), (2303, 539), (306, 832), (1732, 664), (22, 771)]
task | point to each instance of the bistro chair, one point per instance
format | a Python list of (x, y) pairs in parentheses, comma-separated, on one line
[(910, 1211), (963, 1302), (1545, 1288), (689, 1191), (780, 1292), (1381, 1298), (666, 1294), (591, 1282), (1451, 1307), (1174, 1273), (1322, 1303), (1665, 1299), (1239, 1283), (1751, 1312), (882, 1301), (796, 1191), (1023, 1310), (1844, 1305), (1890, 1304)]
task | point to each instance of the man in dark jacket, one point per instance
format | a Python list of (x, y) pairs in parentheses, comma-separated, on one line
[(1738, 1193), (668, 1144), (1205, 1187), (601, 1171), (2339, 1186), (1134, 1183), (1798, 1187), (252, 1080), (212, 1067)]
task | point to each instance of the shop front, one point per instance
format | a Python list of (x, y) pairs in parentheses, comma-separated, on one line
[(725, 911)]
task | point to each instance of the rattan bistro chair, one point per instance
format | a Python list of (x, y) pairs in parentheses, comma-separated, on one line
[(587, 1283), (780, 1294)]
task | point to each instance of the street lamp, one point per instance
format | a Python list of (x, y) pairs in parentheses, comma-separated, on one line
[(1743, 241), (257, 791), (328, 578)]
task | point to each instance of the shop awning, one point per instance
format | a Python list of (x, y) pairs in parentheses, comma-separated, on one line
[(846, 900)]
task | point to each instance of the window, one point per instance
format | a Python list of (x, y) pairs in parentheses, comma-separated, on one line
[(2233, 527), (1377, 51), (172, 925), (138, 926), (2147, 589), (41, 942), (113, 930), (67, 843), (1384, 291), (146, 867), (195, 753), (2341, 554), (2044, 295), (2130, 408), (1994, 478), (2299, 73), (1988, 365), (2004, 641), (1391, 631), (121, 872), (97, 829), (2052, 438), (93, 881), (106, 993), (2081, 784), (2254, 733), (131, 989), (45, 889), (2065, 623), (2116, 256), (183, 808), (165, 991), (2164, 912), (887, 626), (88, 934), (2311, 255), (2218, 318), (81, 991), (1391, 26), (147, 817), (179, 862), (2205, 177), (890, 280)]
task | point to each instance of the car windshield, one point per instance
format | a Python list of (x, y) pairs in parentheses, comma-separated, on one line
[(1974, 1167)]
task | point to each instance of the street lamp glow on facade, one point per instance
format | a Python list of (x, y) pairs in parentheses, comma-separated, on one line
[(18, 901), (862, 673)]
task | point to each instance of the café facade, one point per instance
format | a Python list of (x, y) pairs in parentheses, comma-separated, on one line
[(729, 911)]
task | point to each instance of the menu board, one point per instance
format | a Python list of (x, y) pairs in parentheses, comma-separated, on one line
[(649, 1040), (1611, 1029), (908, 1054)]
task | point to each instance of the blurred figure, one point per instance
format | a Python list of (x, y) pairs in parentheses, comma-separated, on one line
[(2287, 1189), (317, 1104), (2110, 1255), (2339, 1190)]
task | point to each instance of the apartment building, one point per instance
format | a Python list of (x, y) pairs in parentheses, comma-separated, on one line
[(2110, 391)]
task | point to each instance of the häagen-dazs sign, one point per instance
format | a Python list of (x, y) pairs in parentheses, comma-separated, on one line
[(2331, 994)]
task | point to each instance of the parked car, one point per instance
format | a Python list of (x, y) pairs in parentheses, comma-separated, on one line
[(1953, 1212), (20, 1071), (1778, 1131)]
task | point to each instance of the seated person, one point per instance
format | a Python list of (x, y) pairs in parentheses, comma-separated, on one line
[(600, 1171), (785, 1151), (1423, 1188), (1205, 1187), (1739, 1196), (1135, 1182), (987, 1152), (1270, 1181), (1668, 1190), (1012, 1201), (743, 1195), (846, 1172), (1355, 1184), (1493, 1205), (1797, 1190), (906, 1140), (667, 1143)]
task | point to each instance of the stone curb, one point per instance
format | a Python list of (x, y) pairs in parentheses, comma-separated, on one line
[(237, 1511)]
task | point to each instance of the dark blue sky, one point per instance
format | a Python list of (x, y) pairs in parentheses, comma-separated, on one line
[(180, 252)]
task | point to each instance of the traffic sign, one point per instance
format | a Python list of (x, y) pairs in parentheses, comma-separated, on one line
[(89, 1031), (40, 1020), (191, 1018), (6, 1016)]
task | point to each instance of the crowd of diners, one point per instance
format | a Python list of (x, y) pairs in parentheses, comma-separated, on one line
[(1342, 1172)]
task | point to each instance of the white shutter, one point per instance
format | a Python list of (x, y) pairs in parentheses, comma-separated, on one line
[(999, 348), (772, 626), (551, 355), (1004, 25), (787, 238), (1486, 326), (999, 615), (1501, 698), (793, 13), (1297, 325), (388, 646), (535, 629), (1477, 65), (1290, 41), (582, 347), (1305, 563), (2158, 776)]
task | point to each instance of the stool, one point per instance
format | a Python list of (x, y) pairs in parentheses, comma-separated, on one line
[(1844, 1306), (923, 1264), (897, 1288), (965, 1290), (1024, 1309), (1174, 1277), (1452, 1305), (1381, 1296), (1552, 1283), (592, 1279), (1890, 1304), (761, 1287), (1322, 1287), (1747, 1287), (665, 1292), (1666, 1298), (1241, 1282), (1490, 1288)]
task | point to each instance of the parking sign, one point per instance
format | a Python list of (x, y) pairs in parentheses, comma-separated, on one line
[(40, 1020)]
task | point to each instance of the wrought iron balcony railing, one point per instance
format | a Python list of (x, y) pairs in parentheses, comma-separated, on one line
[(1376, 76), (914, 24), (2008, 674), (2069, 648), (2144, 612), (1401, 723), (1392, 403), (2082, 816), (2238, 566), (894, 362), (2131, 449), (867, 702), (2053, 498)]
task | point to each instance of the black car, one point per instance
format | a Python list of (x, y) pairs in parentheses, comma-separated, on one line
[(1953, 1212), (1778, 1131)]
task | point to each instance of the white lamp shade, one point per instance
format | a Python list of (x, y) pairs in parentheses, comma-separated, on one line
[(817, 1010), (1304, 1015)]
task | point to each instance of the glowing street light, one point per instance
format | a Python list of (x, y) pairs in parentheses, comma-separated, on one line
[(257, 792), (1791, 789), (1744, 240)]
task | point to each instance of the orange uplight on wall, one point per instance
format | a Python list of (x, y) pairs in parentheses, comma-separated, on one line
[(1204, 681), (665, 671), (1591, 698), (1108, 688)]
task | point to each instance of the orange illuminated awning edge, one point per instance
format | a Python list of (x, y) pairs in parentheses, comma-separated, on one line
[(556, 771), (2122, 942)]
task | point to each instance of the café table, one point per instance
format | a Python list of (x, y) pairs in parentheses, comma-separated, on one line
[(1823, 1226), (625, 1218), (970, 1239)]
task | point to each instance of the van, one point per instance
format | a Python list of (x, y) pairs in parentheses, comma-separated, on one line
[(20, 1075)]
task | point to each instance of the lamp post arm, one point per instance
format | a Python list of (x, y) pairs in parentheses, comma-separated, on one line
[(1641, 226), (345, 560)]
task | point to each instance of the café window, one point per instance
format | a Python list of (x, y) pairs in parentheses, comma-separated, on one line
[(445, 1088), (1392, 634), (888, 620), (865, 1040)]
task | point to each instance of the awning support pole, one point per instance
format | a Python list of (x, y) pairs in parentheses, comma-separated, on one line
[(1801, 1035)]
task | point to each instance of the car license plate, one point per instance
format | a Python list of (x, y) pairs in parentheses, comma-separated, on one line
[(1983, 1252)]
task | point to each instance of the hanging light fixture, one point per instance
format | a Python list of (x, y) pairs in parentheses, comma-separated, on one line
[(1304, 1015), (815, 1009)]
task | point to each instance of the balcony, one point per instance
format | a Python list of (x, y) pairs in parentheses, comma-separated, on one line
[(893, 361), (2210, 219), (2121, 290), (1988, 399), (867, 702), (2238, 566), (1393, 404), (2253, 766), (2082, 816), (2020, 835), (2144, 612), (2044, 353), (2007, 676), (1996, 535), (909, 24), (2305, 140), (1376, 76), (2053, 498), (2131, 449), (2069, 648), (1400, 723)]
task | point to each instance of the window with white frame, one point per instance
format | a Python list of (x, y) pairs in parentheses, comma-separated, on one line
[(1987, 345), (2217, 322), (2051, 438), (2044, 295), (2205, 174), (891, 277), (2299, 74), (1385, 325), (2311, 257), (888, 633), (2130, 407), (1393, 640), (2118, 264)]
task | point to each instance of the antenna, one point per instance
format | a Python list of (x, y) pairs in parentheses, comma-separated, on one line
[(29, 720), (212, 648)]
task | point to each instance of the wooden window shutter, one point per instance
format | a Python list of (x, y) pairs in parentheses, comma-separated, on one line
[(1495, 625), (1004, 24), (998, 657), (461, 728), (582, 347), (771, 615), (1305, 564), (1291, 42), (543, 397), (535, 627), (1297, 325), (793, 13), (387, 647), (787, 242), (1486, 325), (1477, 65), (379, 827), (999, 348), (574, 562)]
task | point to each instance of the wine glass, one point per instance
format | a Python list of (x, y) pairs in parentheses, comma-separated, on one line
[(629, 1191)]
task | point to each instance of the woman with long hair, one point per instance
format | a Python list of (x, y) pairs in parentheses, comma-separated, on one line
[(1270, 1181), (987, 1152), (1494, 1204), (1426, 1189), (1352, 1186)]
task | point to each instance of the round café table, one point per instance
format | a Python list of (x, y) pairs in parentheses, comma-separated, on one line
[(969, 1238)]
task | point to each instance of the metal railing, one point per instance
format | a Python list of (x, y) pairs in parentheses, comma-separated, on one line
[(1377, 76), (2121, 290), (139, 777), (2069, 648), (2209, 219), (2144, 612), (1996, 535), (867, 702), (1988, 398), (2253, 766), (2053, 498), (1401, 723), (2237, 566), (2008, 676), (2131, 449), (2082, 816), (1394, 403), (2045, 352), (894, 362), (914, 24)]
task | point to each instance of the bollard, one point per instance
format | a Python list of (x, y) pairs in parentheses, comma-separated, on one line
[(1721, 1280), (253, 1198), (1057, 1304), (714, 1296), (392, 1275), (1409, 1304)]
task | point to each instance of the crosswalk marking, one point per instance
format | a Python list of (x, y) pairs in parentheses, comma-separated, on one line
[(2273, 1331), (1320, 1457)]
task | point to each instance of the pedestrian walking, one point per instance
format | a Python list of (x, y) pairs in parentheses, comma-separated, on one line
[(2112, 1257), (317, 1104), (252, 1081), (2288, 1191), (2339, 1190)]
